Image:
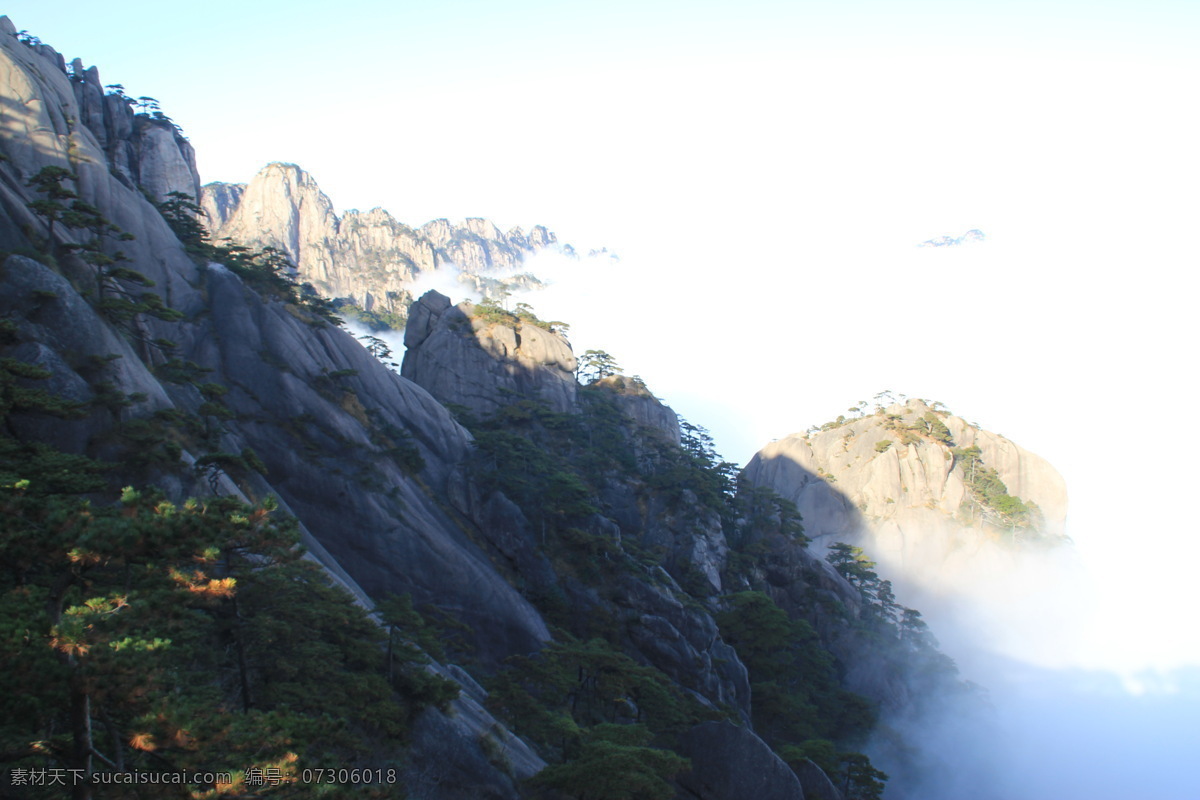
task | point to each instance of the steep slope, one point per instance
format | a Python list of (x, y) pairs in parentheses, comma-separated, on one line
[(357, 453), (366, 257), (924, 491), (602, 483), (274, 362)]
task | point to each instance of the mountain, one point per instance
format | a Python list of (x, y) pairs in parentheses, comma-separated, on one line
[(928, 494), (367, 258), (236, 542)]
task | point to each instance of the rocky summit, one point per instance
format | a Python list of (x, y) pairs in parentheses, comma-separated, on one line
[(481, 362), (921, 489)]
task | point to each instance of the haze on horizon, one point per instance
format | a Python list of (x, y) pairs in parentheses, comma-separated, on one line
[(765, 173)]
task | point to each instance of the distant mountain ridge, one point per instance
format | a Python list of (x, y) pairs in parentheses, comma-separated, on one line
[(366, 257), (972, 236)]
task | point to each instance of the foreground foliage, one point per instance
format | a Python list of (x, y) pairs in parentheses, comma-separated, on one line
[(604, 721), (141, 634), (570, 699)]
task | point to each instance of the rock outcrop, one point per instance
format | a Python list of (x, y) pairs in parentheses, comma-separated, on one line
[(143, 150), (899, 483), (466, 359), (467, 754), (638, 404), (367, 257), (684, 643), (815, 782), (483, 366)]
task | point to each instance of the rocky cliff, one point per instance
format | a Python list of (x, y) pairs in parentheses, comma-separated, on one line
[(356, 453), (143, 150), (274, 362), (923, 490), (482, 362), (366, 257)]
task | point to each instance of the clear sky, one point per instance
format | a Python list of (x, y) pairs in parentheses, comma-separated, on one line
[(765, 169)]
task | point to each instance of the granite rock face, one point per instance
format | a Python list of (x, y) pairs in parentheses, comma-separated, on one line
[(367, 257), (639, 405), (148, 151), (43, 125), (324, 441), (467, 754), (464, 359), (282, 207), (218, 201), (731, 763), (885, 482), (484, 366), (684, 643), (815, 782)]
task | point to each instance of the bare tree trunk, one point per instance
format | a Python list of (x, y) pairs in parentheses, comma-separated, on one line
[(115, 736), (391, 672), (80, 702), (243, 669), (81, 733)]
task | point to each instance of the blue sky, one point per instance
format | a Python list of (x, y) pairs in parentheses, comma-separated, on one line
[(765, 170), (500, 90)]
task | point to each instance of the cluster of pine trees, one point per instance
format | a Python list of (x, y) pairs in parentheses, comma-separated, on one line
[(591, 710)]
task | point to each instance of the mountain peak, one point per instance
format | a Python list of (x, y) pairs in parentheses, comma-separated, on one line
[(914, 483), (366, 259)]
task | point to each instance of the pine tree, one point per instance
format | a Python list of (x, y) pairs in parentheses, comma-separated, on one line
[(49, 181), (595, 365)]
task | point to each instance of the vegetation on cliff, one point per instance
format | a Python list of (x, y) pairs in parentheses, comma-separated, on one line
[(146, 635), (558, 468)]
